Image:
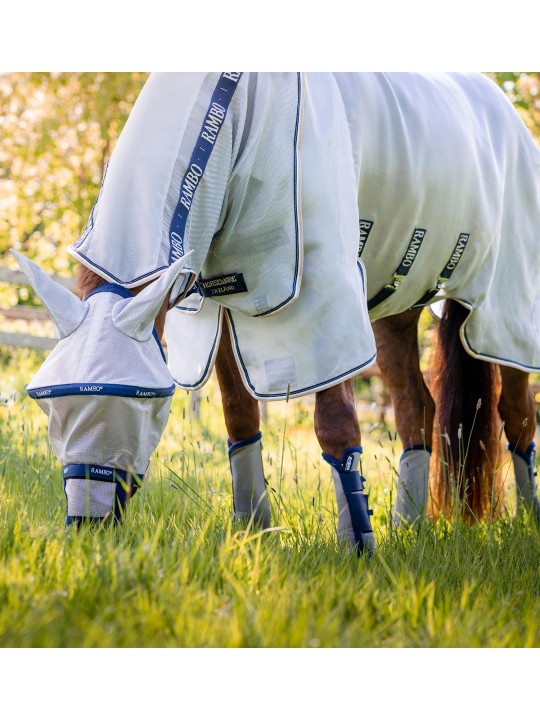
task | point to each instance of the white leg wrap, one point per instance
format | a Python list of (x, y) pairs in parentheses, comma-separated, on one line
[(412, 486), (89, 498), (249, 487), (525, 483)]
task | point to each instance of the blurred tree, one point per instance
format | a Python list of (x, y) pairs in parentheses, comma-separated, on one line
[(57, 130), (523, 89)]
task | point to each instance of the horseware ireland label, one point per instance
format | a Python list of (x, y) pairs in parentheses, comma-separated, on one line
[(222, 285)]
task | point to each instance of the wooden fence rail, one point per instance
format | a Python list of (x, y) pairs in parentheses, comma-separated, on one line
[(40, 342), (28, 314)]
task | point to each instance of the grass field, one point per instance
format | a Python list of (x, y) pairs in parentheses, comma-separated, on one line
[(178, 574)]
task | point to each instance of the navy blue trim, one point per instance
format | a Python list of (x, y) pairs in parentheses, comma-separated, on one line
[(340, 465), (210, 357), (416, 447), (90, 224), (118, 280), (295, 201), (233, 447), (292, 393), (494, 358), (527, 455), (360, 266), (89, 471), (160, 346), (112, 288), (208, 134), (99, 389)]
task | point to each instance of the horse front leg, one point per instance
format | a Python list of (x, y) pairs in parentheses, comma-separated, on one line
[(518, 411), (338, 433), (242, 420), (414, 409)]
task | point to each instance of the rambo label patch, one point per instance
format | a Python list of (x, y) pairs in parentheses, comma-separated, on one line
[(365, 229)]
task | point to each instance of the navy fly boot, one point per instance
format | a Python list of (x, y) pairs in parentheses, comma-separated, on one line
[(354, 525)]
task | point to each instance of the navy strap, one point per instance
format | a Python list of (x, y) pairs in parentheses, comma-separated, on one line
[(351, 481), (131, 391), (403, 269), (416, 447), (528, 455), (100, 472), (212, 124), (112, 288), (233, 447), (342, 464), (449, 268)]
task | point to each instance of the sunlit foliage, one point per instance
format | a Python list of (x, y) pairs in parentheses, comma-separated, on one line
[(58, 131)]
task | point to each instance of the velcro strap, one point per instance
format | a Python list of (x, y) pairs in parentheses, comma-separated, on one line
[(100, 472), (351, 481), (360, 514)]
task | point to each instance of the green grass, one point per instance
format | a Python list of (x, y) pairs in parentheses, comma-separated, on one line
[(178, 574)]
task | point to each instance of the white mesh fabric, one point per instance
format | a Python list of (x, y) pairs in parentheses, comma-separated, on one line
[(89, 498), (448, 153), (104, 429), (97, 352), (65, 308), (110, 431), (325, 335), (201, 334), (412, 486), (127, 238), (262, 235)]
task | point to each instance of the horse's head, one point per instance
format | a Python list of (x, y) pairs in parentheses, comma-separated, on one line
[(105, 387)]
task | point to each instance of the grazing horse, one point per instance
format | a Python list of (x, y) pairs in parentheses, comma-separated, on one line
[(262, 220)]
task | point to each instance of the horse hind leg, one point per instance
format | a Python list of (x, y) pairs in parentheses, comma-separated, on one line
[(399, 361), (518, 411), (242, 419), (467, 391)]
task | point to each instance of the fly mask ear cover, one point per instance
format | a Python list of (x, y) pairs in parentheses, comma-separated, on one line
[(106, 389)]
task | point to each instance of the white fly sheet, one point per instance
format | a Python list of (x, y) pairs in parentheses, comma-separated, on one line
[(267, 178)]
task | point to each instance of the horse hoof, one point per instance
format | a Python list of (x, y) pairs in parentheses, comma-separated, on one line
[(369, 544)]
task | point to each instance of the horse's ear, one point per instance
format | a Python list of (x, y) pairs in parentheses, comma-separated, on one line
[(135, 316), (64, 307)]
